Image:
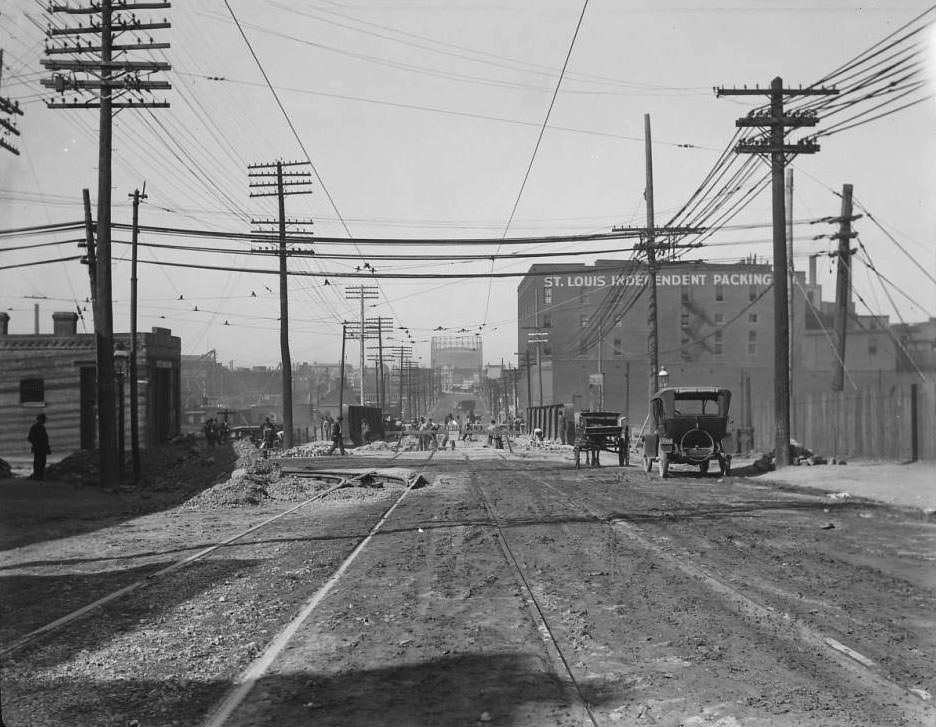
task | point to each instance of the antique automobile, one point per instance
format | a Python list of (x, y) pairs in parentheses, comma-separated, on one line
[(687, 425), (597, 431)]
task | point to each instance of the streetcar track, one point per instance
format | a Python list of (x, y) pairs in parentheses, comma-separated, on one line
[(785, 626), (561, 666), (246, 681), (173, 567)]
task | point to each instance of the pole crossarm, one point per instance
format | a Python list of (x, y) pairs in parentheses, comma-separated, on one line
[(775, 147), (92, 70)]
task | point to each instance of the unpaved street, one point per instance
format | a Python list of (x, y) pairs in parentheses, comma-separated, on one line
[(512, 589)]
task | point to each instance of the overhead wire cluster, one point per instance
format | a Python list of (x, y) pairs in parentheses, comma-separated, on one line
[(883, 79)]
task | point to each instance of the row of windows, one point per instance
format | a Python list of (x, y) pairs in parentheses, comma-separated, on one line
[(717, 339), (719, 294)]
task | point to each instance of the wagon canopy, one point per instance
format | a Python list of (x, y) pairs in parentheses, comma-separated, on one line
[(691, 401)]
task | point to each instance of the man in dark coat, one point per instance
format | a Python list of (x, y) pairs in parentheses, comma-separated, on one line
[(337, 436), (39, 439)]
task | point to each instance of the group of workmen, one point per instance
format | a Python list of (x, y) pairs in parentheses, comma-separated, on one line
[(432, 435)]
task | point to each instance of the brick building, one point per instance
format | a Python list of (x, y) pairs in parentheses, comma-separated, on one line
[(715, 325), (54, 373)]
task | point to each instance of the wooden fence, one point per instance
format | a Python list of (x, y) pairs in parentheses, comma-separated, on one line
[(893, 422)]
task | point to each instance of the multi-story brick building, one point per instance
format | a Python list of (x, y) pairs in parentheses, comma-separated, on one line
[(715, 327)]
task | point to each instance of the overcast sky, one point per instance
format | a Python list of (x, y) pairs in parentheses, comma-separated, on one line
[(421, 119)]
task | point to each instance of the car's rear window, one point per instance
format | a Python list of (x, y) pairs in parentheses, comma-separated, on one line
[(695, 406)]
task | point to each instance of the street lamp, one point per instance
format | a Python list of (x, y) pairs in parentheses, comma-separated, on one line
[(664, 377), (121, 362)]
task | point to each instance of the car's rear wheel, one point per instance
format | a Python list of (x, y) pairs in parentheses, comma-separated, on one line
[(663, 463)]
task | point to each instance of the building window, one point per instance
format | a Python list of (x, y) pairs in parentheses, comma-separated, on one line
[(717, 346), (685, 295), (872, 346), (547, 296), (684, 319), (752, 343), (719, 319), (684, 342), (32, 391), (547, 320), (547, 349), (719, 292), (752, 293), (618, 347), (752, 318), (583, 321)]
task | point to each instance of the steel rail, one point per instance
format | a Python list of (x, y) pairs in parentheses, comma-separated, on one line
[(554, 651), (152, 577), (785, 626), (246, 681)]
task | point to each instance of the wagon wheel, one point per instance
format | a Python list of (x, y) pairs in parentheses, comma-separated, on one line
[(663, 463), (703, 467), (578, 457)]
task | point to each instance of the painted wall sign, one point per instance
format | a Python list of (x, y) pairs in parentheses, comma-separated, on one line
[(598, 280)]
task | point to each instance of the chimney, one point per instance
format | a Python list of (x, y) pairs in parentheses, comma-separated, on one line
[(65, 324), (812, 269), (4, 324)]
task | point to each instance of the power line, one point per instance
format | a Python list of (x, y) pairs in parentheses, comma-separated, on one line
[(539, 139)]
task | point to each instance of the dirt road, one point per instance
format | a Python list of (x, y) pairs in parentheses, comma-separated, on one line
[(512, 590)]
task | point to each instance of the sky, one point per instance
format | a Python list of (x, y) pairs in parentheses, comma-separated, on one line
[(424, 119)]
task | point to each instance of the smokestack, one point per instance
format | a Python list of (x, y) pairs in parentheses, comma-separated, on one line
[(65, 323), (36, 318), (812, 269)]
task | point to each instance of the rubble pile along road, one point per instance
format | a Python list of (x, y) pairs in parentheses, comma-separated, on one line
[(508, 589)]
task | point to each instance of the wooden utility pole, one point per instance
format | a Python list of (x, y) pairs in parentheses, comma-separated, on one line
[(10, 108), (653, 347), (779, 152), (361, 293), (791, 345), (842, 286), (105, 84), (286, 183), (376, 328), (134, 384), (344, 328)]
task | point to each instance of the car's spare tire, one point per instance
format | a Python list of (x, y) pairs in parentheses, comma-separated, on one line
[(697, 445)]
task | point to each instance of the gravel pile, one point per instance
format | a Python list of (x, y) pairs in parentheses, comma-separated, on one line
[(312, 449)]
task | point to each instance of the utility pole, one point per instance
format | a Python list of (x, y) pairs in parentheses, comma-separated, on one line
[(653, 347), (648, 245), (361, 293), (344, 327), (842, 285), (790, 285), (286, 183), (779, 152), (380, 325), (10, 108), (134, 393), (104, 83)]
